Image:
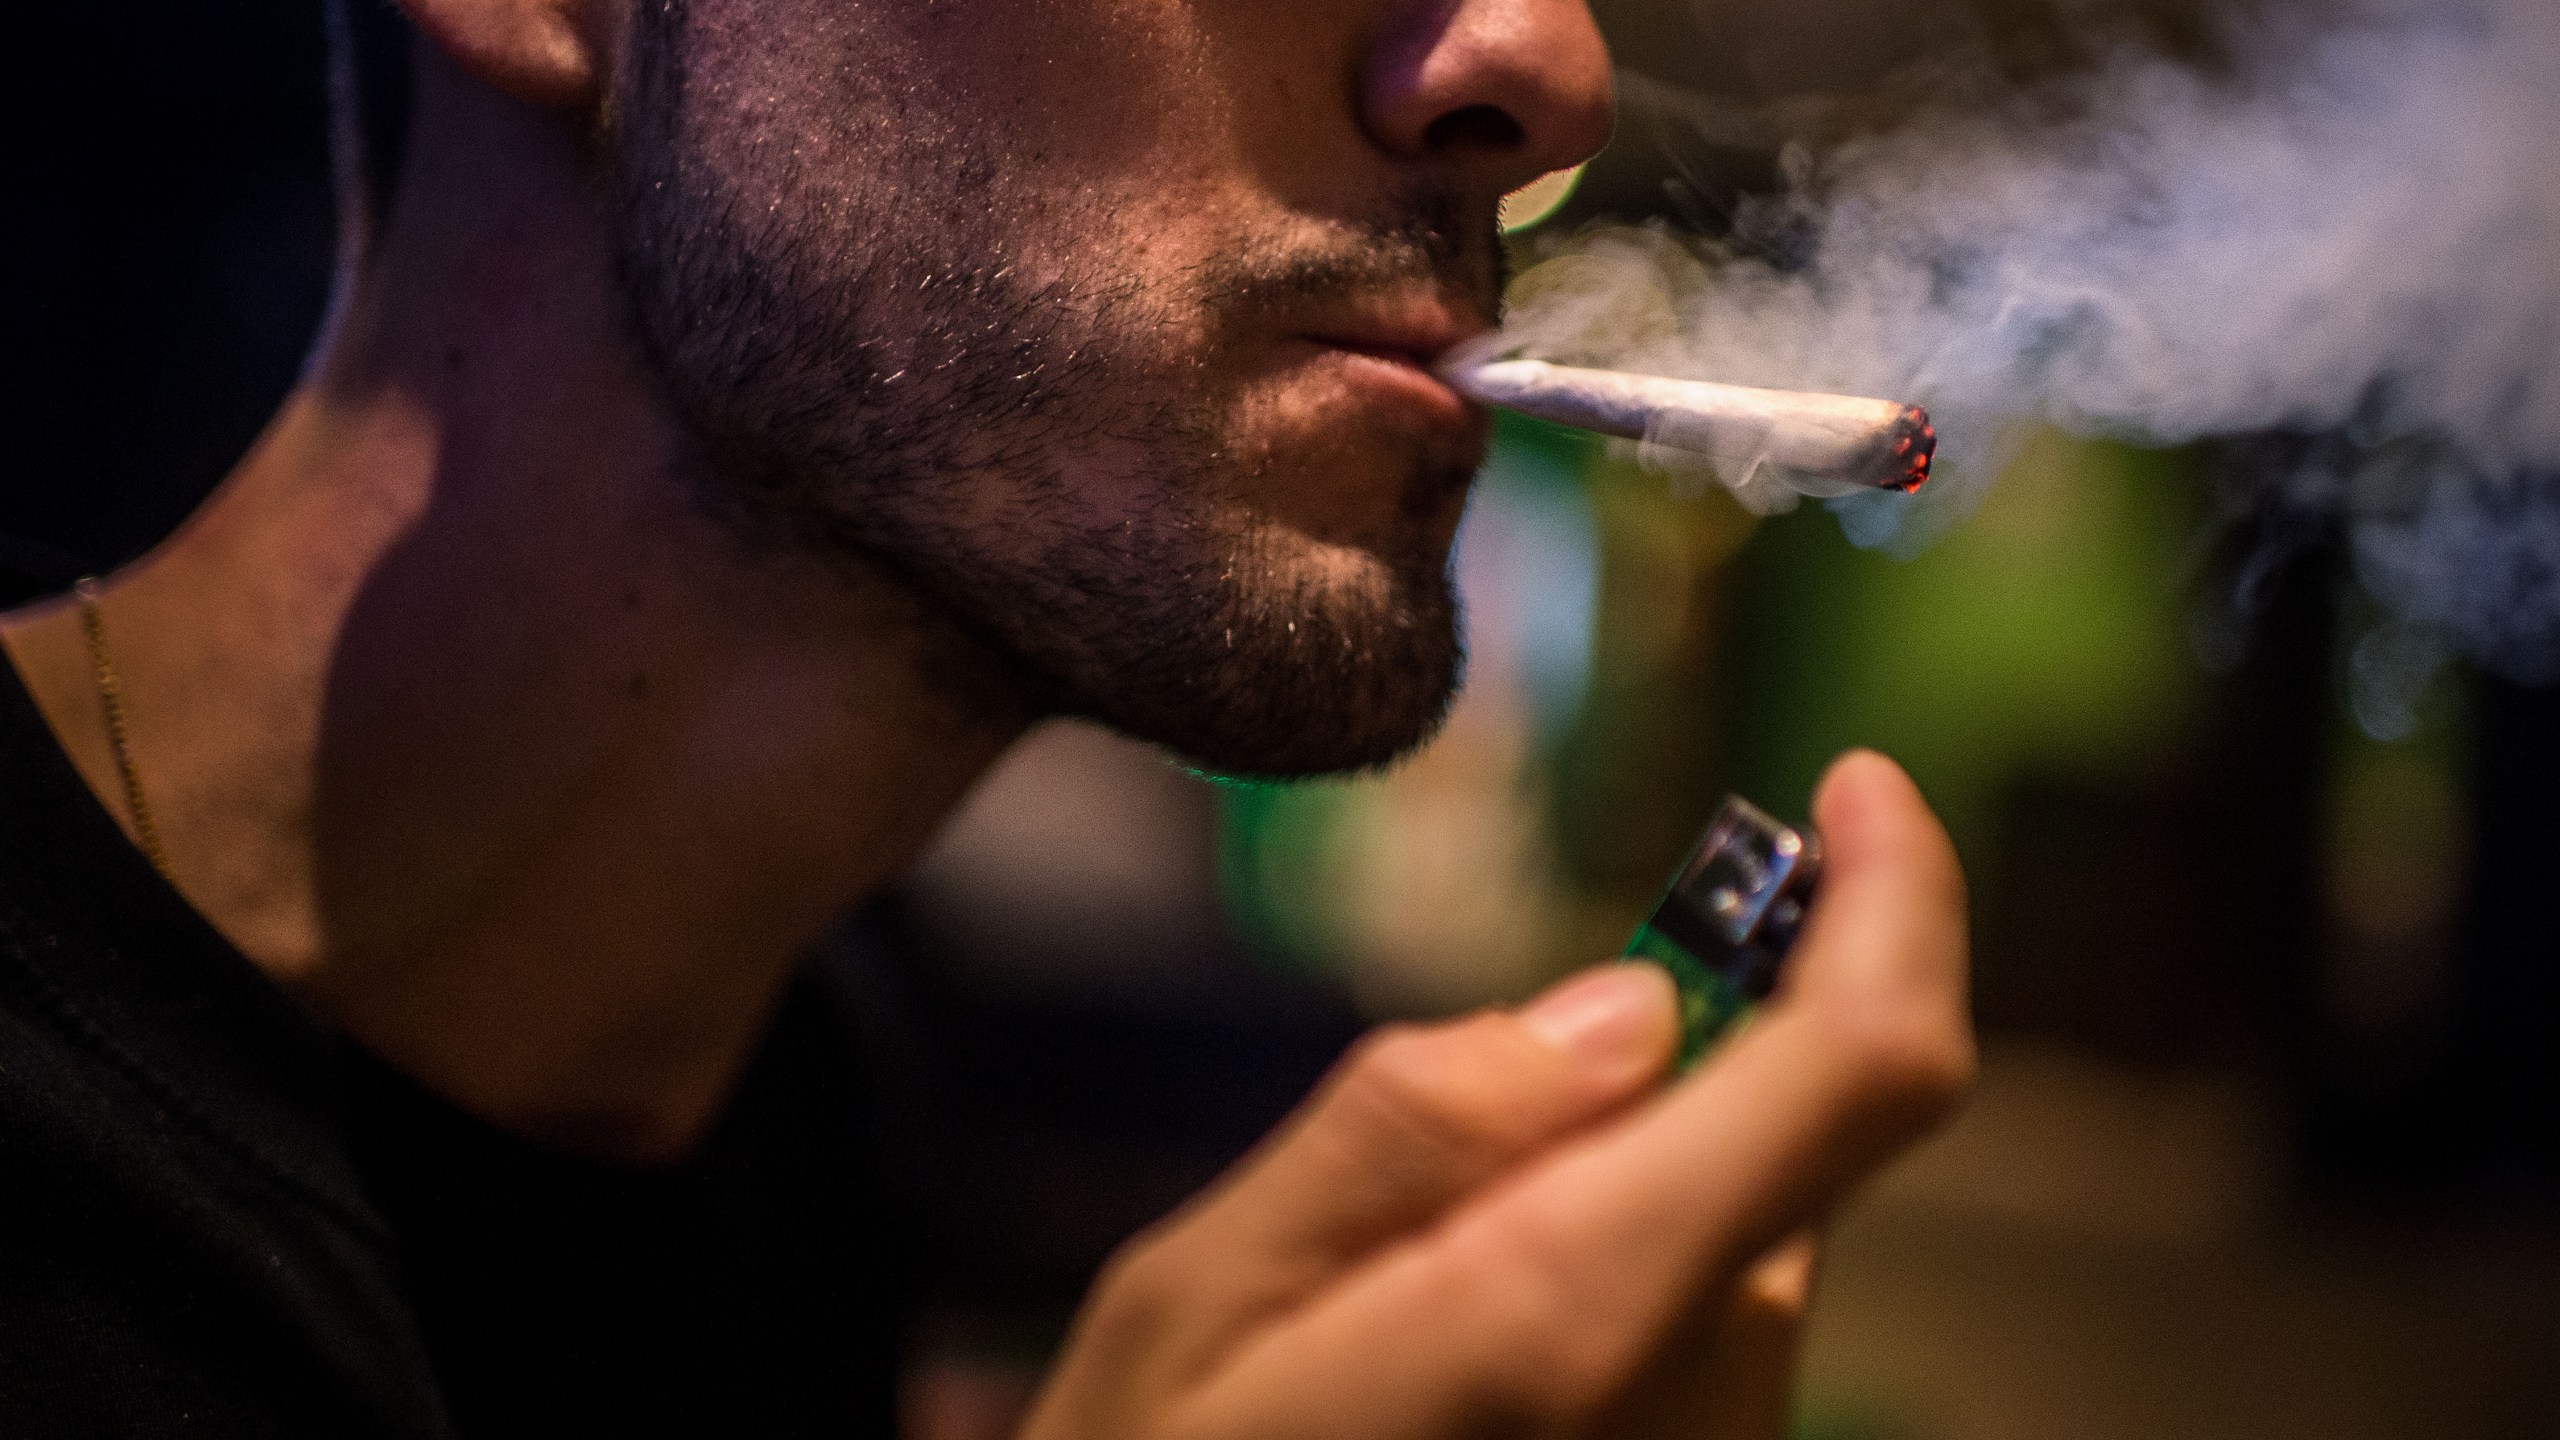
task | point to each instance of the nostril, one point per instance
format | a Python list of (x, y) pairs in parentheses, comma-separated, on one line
[(1476, 127)]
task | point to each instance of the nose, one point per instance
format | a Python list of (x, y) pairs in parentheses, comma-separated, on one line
[(1501, 91)]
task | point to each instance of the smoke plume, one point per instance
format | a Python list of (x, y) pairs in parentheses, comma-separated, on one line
[(2343, 226)]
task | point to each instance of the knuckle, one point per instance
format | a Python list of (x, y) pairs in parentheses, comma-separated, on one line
[(1141, 1282), (1415, 1086)]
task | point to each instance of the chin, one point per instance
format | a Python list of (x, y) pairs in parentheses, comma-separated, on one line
[(1371, 488), (1279, 737), (1308, 658)]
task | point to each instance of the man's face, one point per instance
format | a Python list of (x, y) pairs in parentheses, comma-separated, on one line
[(1103, 324)]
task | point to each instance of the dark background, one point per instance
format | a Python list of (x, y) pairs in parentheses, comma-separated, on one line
[(2160, 959), (168, 259)]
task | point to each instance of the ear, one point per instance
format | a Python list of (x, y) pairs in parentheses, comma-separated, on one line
[(552, 53)]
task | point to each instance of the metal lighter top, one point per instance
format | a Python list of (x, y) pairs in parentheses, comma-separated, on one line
[(1725, 924)]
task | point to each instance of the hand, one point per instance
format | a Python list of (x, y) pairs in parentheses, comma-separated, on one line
[(1504, 1225)]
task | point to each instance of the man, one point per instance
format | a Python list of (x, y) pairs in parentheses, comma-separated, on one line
[(738, 421)]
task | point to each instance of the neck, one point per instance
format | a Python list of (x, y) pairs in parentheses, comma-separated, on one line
[(459, 717)]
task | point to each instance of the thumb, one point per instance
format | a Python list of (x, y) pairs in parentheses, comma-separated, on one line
[(1886, 936)]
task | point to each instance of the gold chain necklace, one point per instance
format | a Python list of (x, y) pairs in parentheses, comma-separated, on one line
[(111, 700)]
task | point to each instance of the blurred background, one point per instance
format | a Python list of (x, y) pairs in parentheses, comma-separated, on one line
[(2268, 1138)]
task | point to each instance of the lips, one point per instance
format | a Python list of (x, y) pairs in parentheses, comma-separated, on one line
[(1420, 357), (1407, 330), (1401, 379), (1392, 346)]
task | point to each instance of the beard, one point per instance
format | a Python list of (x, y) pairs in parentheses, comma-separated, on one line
[(912, 357)]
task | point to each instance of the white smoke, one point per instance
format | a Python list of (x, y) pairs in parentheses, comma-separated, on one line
[(2346, 224)]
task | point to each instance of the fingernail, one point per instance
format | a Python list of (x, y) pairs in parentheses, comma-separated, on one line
[(1610, 1014)]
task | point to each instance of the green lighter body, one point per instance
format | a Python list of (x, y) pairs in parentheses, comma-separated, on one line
[(1725, 922)]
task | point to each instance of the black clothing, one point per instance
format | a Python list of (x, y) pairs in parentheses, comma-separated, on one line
[(218, 1218)]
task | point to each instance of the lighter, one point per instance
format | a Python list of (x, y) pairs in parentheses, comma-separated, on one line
[(1724, 926)]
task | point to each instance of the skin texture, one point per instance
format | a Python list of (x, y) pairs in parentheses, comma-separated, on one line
[(750, 415), (992, 349)]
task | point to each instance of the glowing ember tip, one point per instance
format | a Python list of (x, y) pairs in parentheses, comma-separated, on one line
[(1915, 444)]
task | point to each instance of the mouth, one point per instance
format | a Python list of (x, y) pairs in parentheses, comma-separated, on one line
[(1396, 346), (1410, 328)]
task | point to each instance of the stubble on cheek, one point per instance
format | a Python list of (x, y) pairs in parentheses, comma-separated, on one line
[(1051, 417)]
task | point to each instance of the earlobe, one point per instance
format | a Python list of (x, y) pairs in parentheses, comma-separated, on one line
[(551, 53)]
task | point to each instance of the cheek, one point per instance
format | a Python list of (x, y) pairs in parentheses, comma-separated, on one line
[(1295, 69), (1077, 101), (1150, 137), (1098, 95)]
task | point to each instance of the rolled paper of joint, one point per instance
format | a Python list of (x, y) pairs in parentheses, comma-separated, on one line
[(1819, 445)]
